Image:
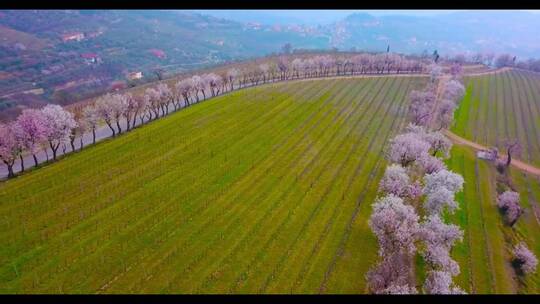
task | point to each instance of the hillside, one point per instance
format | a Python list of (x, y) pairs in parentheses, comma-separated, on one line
[(88, 52)]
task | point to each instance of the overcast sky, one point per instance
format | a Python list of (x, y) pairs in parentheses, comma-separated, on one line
[(313, 16)]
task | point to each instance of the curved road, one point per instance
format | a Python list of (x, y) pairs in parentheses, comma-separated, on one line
[(104, 132)]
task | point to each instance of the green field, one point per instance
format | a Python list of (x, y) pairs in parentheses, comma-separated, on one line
[(495, 107), (485, 253), (499, 106), (265, 189)]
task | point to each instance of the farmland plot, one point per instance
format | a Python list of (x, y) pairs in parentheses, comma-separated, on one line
[(266, 189), (495, 107), (499, 106), (485, 253)]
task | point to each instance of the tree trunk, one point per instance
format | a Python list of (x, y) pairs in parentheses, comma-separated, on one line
[(80, 143), (134, 122), (22, 162), (10, 171), (35, 160), (112, 129), (53, 148), (72, 143), (509, 158), (118, 126), (94, 135)]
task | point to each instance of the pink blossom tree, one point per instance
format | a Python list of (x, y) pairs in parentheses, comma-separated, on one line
[(129, 105), (524, 260), (395, 181), (407, 148), (91, 119), (445, 113), (430, 164), (185, 87), (391, 275), (440, 188), (152, 100), (421, 106), (297, 65), (232, 75), (199, 84), (439, 239), (395, 225), (453, 90), (214, 82), (10, 147), (59, 125), (34, 130), (456, 70), (443, 179), (434, 72), (440, 282), (265, 68), (508, 202), (439, 143), (283, 66), (165, 97)]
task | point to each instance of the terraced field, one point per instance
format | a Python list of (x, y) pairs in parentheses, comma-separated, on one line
[(502, 105), (265, 189)]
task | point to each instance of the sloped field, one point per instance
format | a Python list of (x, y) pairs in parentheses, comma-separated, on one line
[(265, 189)]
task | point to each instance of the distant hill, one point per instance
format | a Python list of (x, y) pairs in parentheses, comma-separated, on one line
[(73, 54), (65, 55), (460, 32)]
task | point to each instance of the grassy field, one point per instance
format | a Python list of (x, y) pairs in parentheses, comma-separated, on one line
[(499, 106), (485, 253), (266, 189)]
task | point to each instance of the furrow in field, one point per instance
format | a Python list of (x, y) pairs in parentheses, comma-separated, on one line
[(317, 262), (224, 266), (195, 170), (274, 274), (361, 197), (265, 171)]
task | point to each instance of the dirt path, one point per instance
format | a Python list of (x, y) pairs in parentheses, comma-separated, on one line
[(493, 71), (515, 162)]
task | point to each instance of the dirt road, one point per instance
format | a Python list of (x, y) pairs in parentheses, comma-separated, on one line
[(515, 162)]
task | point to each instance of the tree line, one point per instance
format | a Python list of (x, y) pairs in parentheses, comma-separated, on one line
[(416, 183), (53, 126)]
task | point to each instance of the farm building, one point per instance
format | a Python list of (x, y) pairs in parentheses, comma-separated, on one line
[(91, 58), (134, 75), (489, 154)]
